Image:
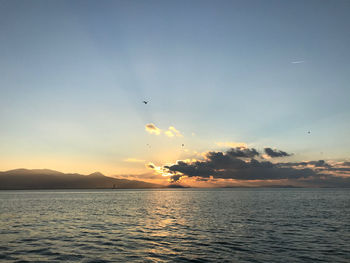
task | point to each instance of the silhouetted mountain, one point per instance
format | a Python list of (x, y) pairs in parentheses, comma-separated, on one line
[(49, 179)]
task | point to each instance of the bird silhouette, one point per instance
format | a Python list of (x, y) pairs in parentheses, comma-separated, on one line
[(144, 101)]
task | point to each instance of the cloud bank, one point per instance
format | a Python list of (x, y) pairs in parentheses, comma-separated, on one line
[(243, 164)]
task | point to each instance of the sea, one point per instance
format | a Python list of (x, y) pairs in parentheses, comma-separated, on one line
[(176, 225)]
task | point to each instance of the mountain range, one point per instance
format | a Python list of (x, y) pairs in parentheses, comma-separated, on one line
[(19, 179)]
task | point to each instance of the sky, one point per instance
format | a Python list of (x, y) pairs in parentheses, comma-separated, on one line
[(216, 75)]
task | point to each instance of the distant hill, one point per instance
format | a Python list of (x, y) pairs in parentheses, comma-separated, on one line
[(177, 186), (49, 179)]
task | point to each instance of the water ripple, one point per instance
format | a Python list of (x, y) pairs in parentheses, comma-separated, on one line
[(220, 225)]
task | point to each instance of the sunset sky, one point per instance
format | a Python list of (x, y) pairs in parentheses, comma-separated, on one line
[(217, 75)]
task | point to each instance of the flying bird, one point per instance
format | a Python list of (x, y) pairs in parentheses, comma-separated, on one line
[(183, 145), (144, 101), (308, 132)]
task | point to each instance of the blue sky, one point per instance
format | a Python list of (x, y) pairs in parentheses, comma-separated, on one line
[(74, 74)]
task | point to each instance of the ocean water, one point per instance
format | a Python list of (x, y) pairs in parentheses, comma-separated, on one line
[(175, 225)]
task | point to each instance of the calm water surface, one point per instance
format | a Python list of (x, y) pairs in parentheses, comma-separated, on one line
[(176, 225)]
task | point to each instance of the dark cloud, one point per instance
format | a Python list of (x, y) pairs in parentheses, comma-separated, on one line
[(319, 163), (243, 152), (150, 165), (239, 164), (266, 174), (224, 161), (200, 169), (275, 153), (199, 179), (175, 178), (339, 169), (253, 171), (228, 165), (345, 163)]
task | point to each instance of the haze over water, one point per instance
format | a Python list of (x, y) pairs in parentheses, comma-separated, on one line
[(176, 225)]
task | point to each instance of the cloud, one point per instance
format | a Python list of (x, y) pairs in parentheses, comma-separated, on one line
[(169, 134), (243, 152), (133, 160), (150, 166), (152, 129), (240, 165), (172, 131), (319, 163), (232, 144), (157, 169), (275, 153), (298, 62), (345, 163), (175, 178), (175, 131), (222, 165)]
